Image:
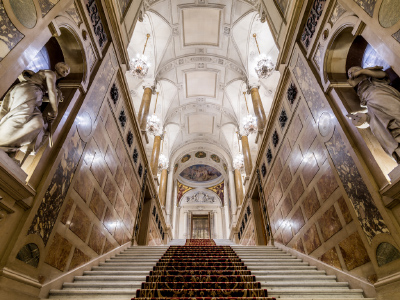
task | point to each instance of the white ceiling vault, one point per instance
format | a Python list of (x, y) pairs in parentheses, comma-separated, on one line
[(201, 55)]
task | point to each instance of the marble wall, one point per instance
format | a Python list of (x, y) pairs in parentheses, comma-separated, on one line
[(309, 211), (91, 204)]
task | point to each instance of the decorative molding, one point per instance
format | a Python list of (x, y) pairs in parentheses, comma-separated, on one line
[(210, 59)]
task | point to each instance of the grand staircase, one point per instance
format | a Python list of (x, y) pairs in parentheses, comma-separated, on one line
[(284, 276)]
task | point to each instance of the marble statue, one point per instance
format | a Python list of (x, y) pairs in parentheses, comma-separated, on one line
[(383, 107), (22, 126)]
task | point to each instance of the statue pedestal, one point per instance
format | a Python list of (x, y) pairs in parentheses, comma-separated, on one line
[(13, 182)]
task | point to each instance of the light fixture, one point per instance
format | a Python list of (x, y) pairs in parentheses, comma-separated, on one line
[(153, 123), (265, 66), (139, 65), (238, 161), (250, 121), (163, 161)]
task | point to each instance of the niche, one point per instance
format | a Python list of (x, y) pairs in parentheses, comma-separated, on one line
[(348, 51), (64, 48)]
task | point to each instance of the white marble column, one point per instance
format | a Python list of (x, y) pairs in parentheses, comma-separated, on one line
[(175, 223), (233, 197), (214, 230), (227, 225), (185, 224), (168, 200), (223, 221)]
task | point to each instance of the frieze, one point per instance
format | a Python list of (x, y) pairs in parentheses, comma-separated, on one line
[(200, 105), (97, 24), (312, 22), (206, 59)]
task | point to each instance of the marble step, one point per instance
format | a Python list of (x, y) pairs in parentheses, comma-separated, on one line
[(93, 294), (280, 268), (274, 263), (298, 293), (285, 259), (289, 272), (117, 263), (150, 260), (302, 278), (265, 255), (110, 278), (101, 285), (306, 284), (116, 273), (116, 268)]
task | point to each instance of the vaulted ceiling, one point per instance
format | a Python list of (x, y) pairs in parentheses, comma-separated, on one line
[(201, 55)]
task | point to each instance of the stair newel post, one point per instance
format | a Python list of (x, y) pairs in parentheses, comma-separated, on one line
[(265, 210)]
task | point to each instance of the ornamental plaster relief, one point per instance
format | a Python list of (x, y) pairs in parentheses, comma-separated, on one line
[(213, 60)]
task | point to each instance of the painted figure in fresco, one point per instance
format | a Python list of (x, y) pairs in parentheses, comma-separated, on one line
[(383, 104), (21, 121)]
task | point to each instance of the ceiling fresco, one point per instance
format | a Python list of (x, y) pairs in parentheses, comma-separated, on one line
[(200, 173)]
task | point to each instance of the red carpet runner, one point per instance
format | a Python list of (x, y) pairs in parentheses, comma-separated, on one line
[(201, 270)]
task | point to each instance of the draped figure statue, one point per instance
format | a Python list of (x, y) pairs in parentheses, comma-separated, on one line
[(383, 104), (21, 121)]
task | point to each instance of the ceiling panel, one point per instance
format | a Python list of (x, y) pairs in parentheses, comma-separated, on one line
[(201, 123), (201, 83), (201, 26)]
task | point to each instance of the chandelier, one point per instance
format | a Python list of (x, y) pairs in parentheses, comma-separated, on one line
[(265, 66), (153, 123), (163, 162), (238, 161), (139, 66), (250, 121)]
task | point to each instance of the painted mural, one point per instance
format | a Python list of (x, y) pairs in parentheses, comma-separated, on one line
[(215, 158), (219, 190), (185, 158), (182, 190), (200, 154), (175, 168), (200, 173)]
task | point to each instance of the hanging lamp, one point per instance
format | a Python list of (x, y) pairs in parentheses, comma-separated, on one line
[(265, 66), (238, 161), (139, 65), (163, 161), (250, 121), (153, 122)]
